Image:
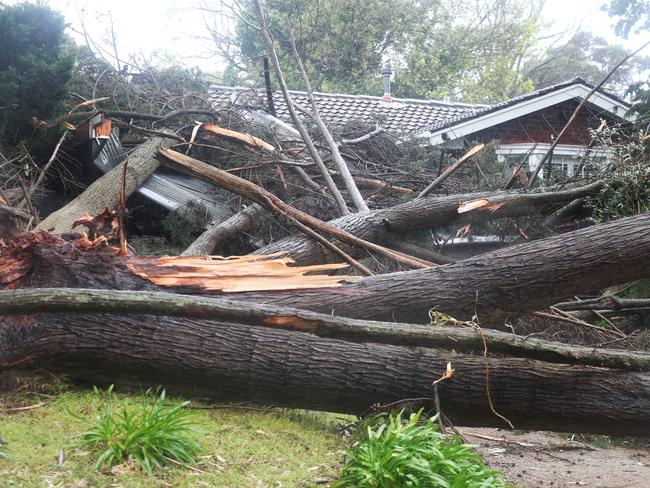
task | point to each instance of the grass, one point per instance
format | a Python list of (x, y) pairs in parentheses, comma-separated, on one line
[(66, 437), (239, 448)]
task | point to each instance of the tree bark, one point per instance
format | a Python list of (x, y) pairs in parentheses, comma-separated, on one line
[(512, 280), (460, 338), (221, 361), (242, 221), (104, 192), (426, 213)]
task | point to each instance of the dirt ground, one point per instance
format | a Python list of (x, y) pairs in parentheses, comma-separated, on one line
[(539, 459)]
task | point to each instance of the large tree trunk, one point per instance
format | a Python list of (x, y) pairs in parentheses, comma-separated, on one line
[(227, 358), (223, 361), (512, 280)]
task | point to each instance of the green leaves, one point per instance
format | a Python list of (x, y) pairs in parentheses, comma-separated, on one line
[(151, 434), (34, 66), (403, 453)]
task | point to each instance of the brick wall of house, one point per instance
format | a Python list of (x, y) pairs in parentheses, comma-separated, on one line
[(542, 126)]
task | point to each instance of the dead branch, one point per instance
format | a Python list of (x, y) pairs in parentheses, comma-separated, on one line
[(440, 179), (268, 40)]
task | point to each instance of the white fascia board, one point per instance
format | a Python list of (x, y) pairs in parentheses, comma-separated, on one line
[(560, 149), (526, 107)]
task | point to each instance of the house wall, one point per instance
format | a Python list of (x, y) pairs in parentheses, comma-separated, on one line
[(542, 126)]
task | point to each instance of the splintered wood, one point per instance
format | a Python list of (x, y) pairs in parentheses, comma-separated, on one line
[(235, 274), (211, 273)]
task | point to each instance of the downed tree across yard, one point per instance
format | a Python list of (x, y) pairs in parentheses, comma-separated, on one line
[(250, 347)]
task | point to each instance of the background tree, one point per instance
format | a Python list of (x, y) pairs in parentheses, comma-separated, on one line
[(634, 15), (35, 66), (440, 49), (588, 56)]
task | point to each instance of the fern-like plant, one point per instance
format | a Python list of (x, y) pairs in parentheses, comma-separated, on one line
[(151, 433), (401, 453)]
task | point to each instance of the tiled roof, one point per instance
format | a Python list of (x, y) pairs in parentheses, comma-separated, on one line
[(441, 124), (400, 116)]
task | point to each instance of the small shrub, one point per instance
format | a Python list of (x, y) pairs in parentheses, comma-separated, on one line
[(186, 223), (150, 434), (408, 453)]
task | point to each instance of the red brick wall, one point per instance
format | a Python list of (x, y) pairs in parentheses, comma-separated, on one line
[(544, 124)]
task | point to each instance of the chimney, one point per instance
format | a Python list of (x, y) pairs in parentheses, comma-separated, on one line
[(386, 72)]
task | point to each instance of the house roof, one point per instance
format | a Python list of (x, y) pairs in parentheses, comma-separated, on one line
[(401, 115), (575, 88), (436, 120)]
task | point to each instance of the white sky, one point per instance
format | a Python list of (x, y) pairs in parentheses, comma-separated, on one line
[(173, 26)]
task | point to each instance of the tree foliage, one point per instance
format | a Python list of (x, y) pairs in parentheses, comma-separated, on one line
[(633, 15), (440, 49), (588, 56), (35, 66)]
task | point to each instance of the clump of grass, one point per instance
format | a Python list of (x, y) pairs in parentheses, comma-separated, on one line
[(152, 434), (401, 453)]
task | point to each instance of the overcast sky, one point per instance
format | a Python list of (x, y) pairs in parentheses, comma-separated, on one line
[(173, 26)]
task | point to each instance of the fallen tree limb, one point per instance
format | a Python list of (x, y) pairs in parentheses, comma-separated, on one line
[(274, 204), (105, 191), (242, 221), (440, 179), (606, 303), (426, 213), (469, 340)]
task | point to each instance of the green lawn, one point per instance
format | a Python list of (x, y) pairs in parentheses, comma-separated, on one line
[(241, 448)]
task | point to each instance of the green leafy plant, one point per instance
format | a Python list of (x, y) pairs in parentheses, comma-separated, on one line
[(409, 453), (186, 223), (627, 188), (151, 433)]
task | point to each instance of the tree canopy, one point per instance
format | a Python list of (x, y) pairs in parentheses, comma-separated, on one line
[(34, 66), (483, 51)]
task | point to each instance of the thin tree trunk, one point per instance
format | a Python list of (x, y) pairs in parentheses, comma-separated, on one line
[(242, 221), (266, 35)]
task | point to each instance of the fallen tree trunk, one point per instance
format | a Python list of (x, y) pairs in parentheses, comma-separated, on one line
[(221, 360), (460, 338), (516, 279), (230, 357), (104, 192), (426, 213)]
